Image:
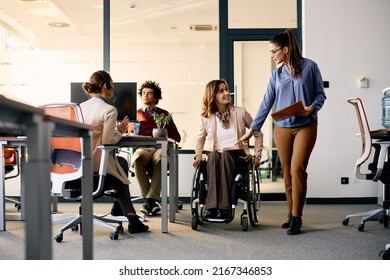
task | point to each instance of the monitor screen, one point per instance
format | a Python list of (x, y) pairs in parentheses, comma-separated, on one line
[(125, 98)]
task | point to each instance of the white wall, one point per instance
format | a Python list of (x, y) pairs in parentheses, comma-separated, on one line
[(348, 39)]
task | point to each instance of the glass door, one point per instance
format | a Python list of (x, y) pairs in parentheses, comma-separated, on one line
[(252, 69)]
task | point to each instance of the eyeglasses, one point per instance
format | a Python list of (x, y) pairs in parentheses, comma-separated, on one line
[(274, 51)]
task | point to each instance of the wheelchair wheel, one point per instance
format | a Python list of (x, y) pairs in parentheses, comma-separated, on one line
[(254, 196), (194, 222), (244, 223), (197, 184)]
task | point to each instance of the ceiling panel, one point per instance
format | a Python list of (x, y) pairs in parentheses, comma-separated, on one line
[(132, 21)]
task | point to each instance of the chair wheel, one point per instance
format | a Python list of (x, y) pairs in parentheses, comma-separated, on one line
[(180, 205), (194, 222), (360, 227), (75, 228), (244, 223), (58, 238), (384, 254), (114, 236), (346, 222), (120, 229), (386, 221)]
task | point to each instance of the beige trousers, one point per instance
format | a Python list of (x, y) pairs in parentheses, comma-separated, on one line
[(144, 160), (294, 148)]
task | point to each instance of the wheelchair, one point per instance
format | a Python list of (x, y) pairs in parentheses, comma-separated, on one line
[(245, 190)]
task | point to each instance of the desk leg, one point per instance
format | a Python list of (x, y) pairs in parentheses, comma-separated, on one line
[(87, 200), (22, 183), (164, 191), (173, 182), (38, 208), (2, 189)]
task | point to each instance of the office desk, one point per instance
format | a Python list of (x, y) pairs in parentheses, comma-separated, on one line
[(380, 134), (12, 142), (19, 119), (170, 158)]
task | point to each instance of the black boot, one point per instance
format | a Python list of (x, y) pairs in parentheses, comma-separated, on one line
[(295, 226), (287, 223), (116, 209), (135, 225)]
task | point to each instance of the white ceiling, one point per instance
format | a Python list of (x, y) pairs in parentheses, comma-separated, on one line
[(150, 21)]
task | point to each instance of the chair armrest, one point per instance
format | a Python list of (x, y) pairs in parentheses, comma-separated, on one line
[(105, 149), (381, 159), (105, 153)]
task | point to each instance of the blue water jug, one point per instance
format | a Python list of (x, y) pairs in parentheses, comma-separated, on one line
[(386, 108)]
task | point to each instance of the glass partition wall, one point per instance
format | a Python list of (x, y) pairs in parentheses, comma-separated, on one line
[(247, 42), (175, 43)]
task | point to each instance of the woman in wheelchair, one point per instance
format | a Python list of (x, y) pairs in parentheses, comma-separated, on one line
[(221, 125)]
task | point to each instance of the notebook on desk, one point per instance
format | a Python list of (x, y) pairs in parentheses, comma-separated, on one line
[(288, 112)]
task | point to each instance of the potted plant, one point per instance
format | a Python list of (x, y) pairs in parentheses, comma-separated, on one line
[(161, 121)]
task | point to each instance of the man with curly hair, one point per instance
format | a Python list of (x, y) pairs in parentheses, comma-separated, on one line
[(147, 161)]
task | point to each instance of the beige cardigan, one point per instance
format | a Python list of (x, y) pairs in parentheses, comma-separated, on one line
[(239, 118), (102, 117)]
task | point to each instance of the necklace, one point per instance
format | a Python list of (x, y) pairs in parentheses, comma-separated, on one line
[(223, 118)]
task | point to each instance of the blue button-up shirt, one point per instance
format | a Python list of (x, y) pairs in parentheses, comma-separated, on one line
[(283, 91)]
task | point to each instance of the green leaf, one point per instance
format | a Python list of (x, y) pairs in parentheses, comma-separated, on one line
[(162, 120)]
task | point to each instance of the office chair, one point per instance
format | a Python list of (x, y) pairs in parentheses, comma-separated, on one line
[(66, 173), (378, 169), (11, 162)]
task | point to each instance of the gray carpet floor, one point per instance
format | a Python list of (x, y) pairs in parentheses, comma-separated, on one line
[(323, 238)]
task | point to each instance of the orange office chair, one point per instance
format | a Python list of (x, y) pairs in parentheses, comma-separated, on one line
[(66, 173), (378, 167), (11, 162)]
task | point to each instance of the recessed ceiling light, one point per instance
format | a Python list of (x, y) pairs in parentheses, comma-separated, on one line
[(58, 24)]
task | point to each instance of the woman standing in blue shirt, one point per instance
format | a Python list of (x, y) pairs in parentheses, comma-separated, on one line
[(296, 79)]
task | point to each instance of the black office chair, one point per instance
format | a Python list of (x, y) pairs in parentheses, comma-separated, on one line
[(379, 168)]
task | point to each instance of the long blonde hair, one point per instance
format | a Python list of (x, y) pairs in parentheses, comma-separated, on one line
[(209, 106)]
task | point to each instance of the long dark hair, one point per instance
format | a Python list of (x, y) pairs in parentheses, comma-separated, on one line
[(287, 39)]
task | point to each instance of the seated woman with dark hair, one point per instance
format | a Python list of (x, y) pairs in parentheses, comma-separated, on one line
[(102, 116)]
